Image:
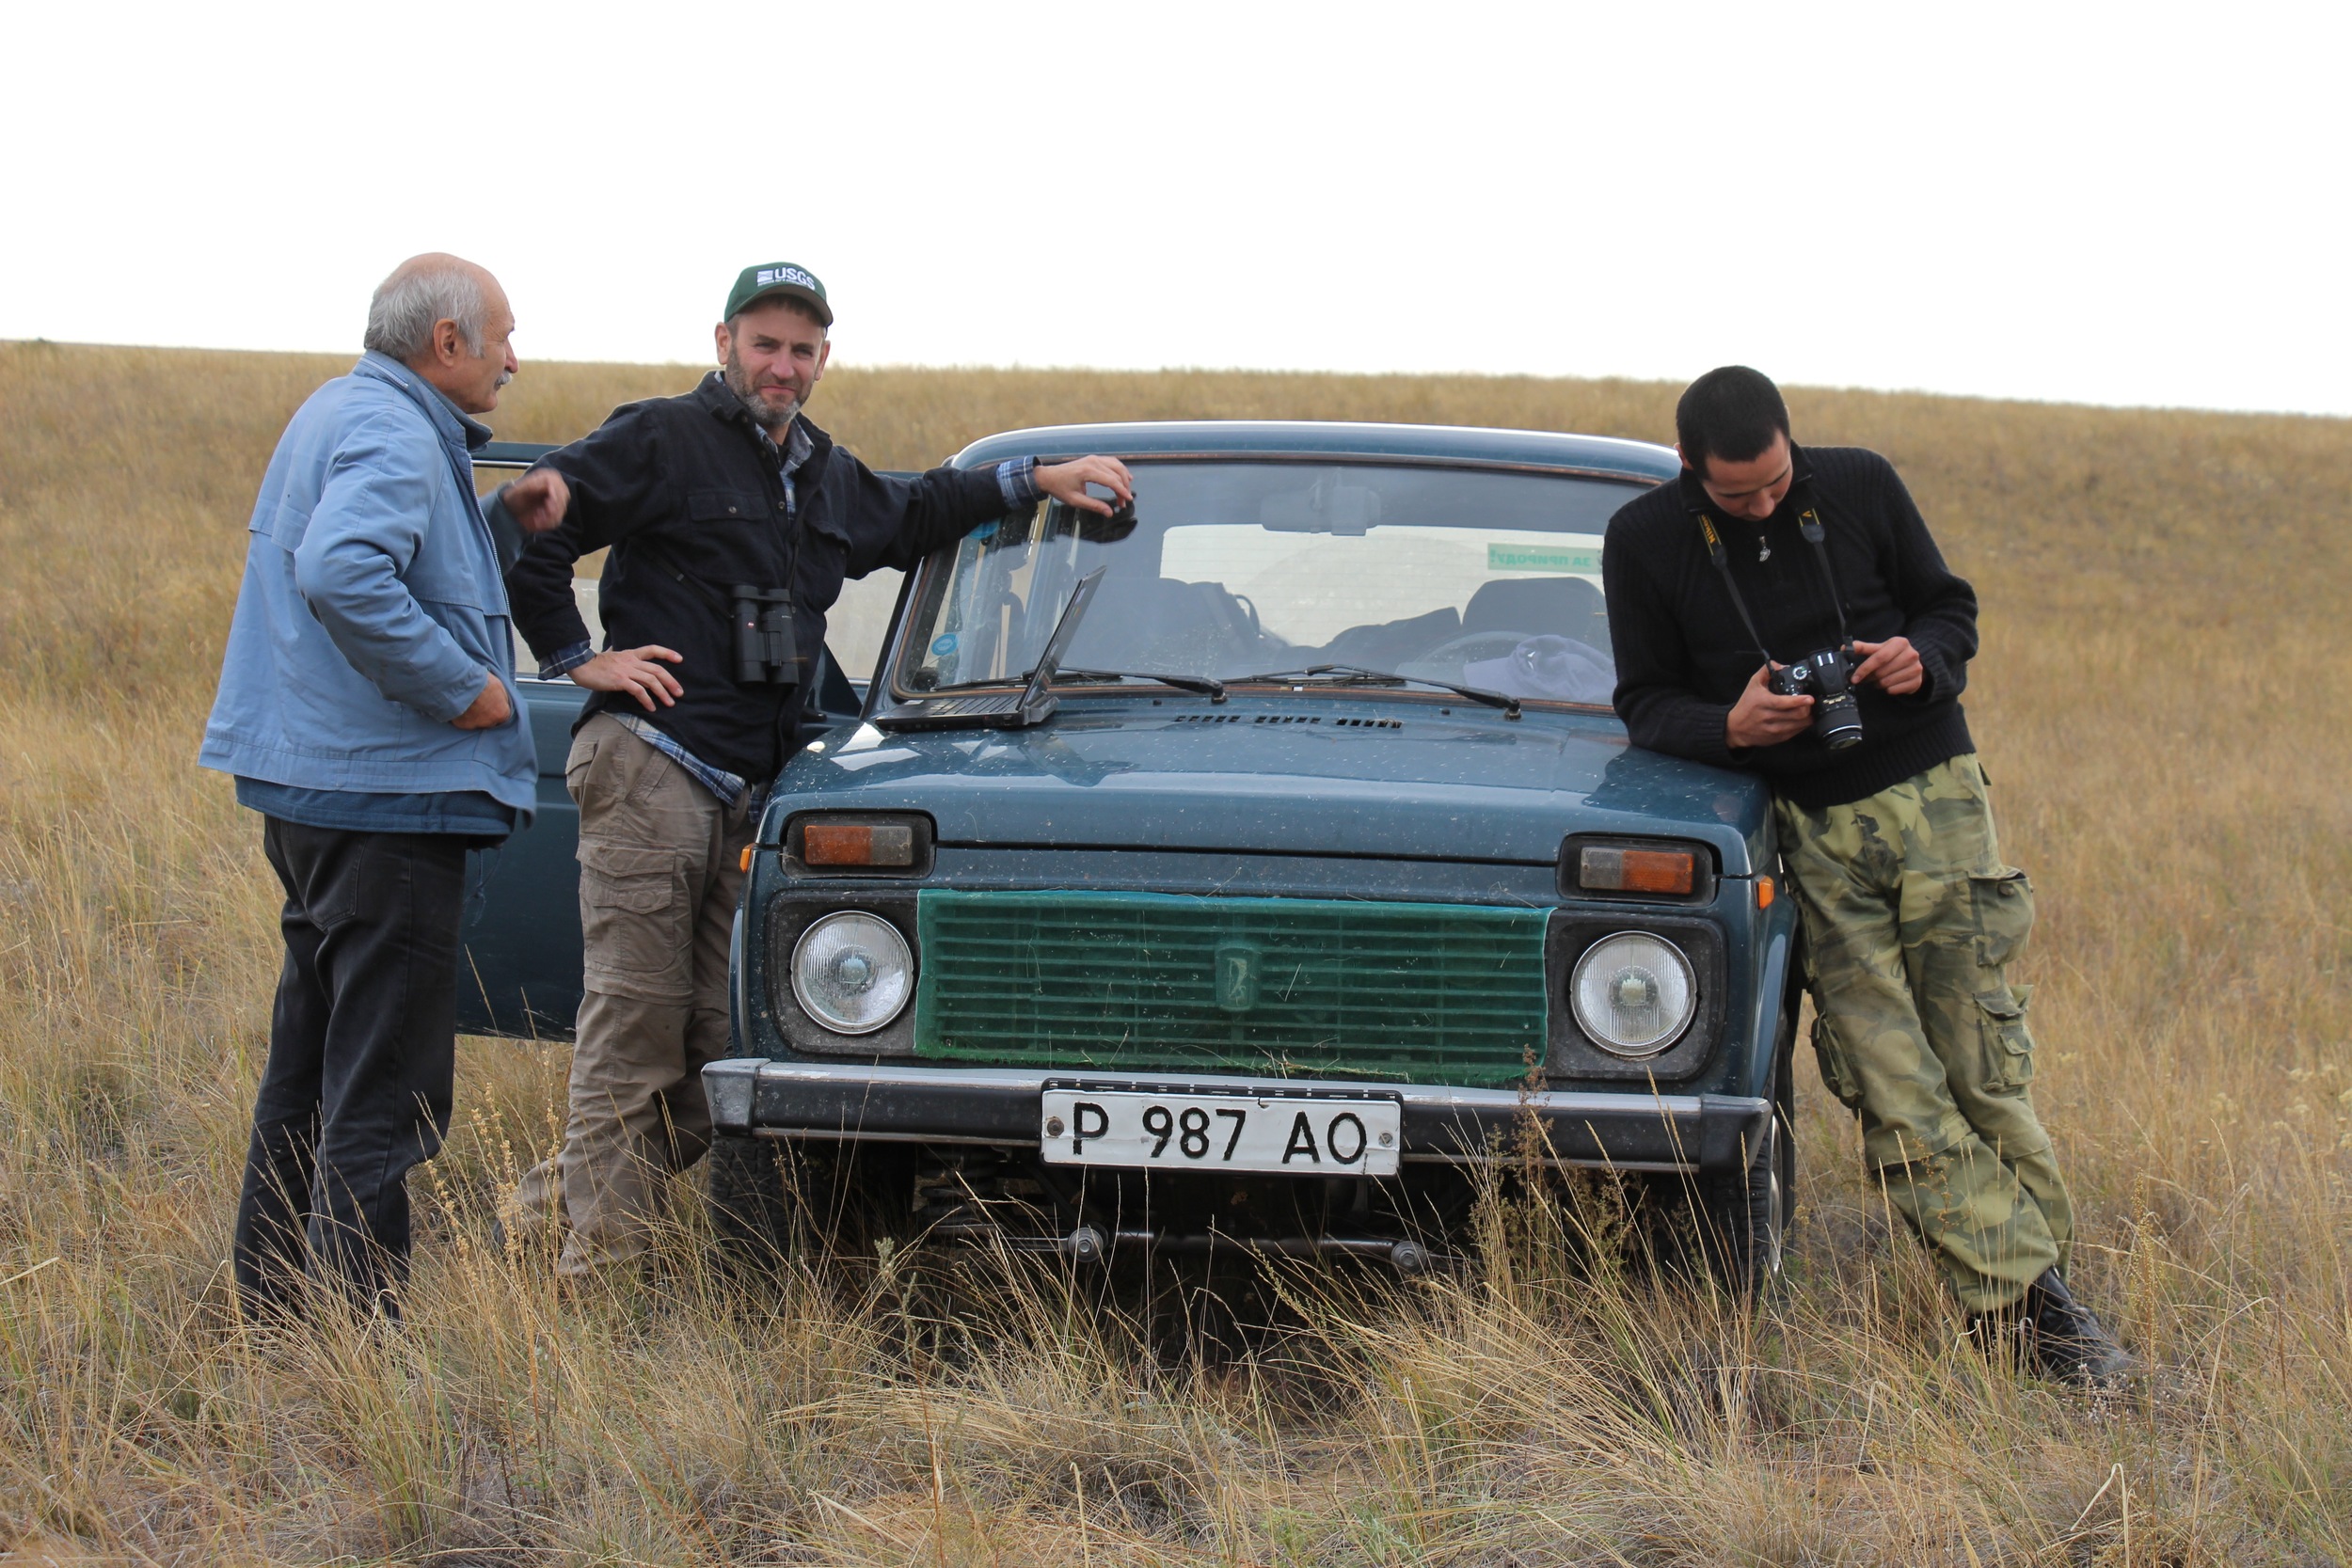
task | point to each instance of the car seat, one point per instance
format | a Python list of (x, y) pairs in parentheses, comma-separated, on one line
[(1561, 607), (1140, 622)]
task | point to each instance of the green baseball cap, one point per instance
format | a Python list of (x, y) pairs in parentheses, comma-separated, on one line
[(778, 278)]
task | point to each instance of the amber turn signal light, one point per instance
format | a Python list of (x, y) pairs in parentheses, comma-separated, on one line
[(746, 862), (857, 844), (860, 844), (1607, 869), (1763, 893)]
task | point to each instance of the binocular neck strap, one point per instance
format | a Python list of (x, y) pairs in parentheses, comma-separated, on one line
[(1809, 524), (1716, 553)]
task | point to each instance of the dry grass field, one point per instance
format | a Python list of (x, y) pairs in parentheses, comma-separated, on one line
[(2161, 703)]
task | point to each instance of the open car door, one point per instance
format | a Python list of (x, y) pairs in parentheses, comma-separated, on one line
[(519, 942)]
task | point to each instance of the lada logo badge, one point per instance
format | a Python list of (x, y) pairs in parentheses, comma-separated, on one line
[(1236, 976)]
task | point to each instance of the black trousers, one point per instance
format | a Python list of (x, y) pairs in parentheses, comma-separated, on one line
[(362, 1054)]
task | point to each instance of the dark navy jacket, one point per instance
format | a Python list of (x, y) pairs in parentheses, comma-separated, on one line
[(689, 494), (1683, 654)]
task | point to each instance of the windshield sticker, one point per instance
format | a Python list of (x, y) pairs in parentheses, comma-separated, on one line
[(1541, 558), (944, 644)]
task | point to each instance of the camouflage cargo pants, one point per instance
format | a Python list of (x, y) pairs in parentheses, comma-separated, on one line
[(1911, 919)]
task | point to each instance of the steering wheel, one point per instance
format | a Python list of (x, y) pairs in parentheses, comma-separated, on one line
[(1231, 620)]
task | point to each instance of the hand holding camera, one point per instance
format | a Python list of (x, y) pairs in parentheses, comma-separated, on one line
[(1765, 715), (1894, 664), (1826, 676), (1781, 701)]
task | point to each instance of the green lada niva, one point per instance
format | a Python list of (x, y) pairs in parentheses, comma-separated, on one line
[(1246, 873)]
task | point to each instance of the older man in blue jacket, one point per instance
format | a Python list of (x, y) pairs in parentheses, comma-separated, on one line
[(366, 711)]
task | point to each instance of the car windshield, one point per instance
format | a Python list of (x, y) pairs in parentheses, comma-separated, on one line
[(1483, 578)]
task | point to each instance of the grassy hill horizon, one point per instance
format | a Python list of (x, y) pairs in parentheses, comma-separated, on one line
[(333, 362), (2159, 702)]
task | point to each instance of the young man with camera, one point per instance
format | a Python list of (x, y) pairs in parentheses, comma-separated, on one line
[(1783, 611), (732, 522)]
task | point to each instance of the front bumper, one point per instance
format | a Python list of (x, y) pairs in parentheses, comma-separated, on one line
[(751, 1096)]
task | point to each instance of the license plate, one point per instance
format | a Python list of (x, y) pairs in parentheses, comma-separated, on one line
[(1286, 1134)]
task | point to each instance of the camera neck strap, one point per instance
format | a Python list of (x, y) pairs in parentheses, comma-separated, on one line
[(1809, 524), (1722, 558)]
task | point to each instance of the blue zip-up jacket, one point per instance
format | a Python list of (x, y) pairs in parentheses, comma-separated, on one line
[(374, 603)]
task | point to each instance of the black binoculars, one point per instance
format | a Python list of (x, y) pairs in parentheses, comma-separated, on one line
[(764, 651)]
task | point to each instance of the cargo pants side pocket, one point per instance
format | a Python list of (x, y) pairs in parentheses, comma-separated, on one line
[(580, 761), (636, 922), (2002, 901), (1837, 1068), (2007, 1042)]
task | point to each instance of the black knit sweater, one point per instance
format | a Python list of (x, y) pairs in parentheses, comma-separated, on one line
[(1683, 655)]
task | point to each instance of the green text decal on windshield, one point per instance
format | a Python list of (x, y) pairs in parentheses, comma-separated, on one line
[(1540, 558)]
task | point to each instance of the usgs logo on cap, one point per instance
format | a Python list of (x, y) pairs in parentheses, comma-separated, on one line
[(769, 276)]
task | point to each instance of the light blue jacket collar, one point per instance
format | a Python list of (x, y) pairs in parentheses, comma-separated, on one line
[(453, 426)]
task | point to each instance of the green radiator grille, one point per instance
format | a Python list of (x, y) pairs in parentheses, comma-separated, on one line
[(1445, 993)]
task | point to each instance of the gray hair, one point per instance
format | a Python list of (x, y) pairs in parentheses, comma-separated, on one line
[(416, 297)]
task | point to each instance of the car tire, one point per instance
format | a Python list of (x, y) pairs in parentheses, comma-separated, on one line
[(751, 1215), (775, 1201), (1744, 1215)]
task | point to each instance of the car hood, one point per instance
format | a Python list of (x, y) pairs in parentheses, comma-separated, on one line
[(1343, 776)]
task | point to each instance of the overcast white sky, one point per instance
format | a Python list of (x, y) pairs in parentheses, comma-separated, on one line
[(2138, 204)]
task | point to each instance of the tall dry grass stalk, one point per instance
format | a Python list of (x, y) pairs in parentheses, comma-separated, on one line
[(2159, 701)]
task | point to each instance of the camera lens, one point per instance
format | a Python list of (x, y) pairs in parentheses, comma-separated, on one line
[(1837, 721)]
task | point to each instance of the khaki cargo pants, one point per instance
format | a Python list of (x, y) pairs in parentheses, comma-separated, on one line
[(660, 873), (1911, 919)]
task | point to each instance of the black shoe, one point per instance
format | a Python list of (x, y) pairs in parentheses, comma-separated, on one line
[(2000, 1336), (2066, 1342)]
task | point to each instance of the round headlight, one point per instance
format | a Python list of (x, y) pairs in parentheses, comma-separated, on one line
[(853, 972), (1633, 993)]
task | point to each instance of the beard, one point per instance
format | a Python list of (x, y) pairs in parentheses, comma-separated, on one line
[(760, 401)]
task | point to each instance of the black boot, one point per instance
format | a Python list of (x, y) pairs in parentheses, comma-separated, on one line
[(2000, 1335), (2066, 1342)]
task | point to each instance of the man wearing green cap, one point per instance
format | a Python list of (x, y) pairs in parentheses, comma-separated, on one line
[(728, 487)]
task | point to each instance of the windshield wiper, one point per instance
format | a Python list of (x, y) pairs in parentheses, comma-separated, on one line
[(1212, 689), (1356, 674)]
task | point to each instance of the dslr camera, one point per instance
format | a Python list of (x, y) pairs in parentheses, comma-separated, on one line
[(1827, 677)]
